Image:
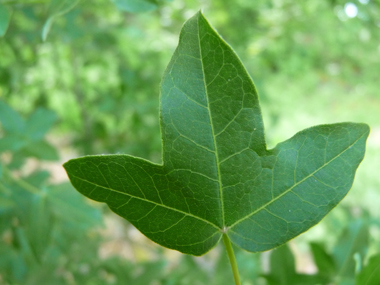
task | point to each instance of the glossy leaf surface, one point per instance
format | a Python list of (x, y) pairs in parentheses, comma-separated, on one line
[(217, 175)]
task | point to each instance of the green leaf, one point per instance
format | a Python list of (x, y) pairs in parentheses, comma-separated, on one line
[(56, 8), (39, 123), (370, 275), (323, 260), (283, 270), (10, 119), (70, 207), (18, 159), (12, 263), (354, 239), (250, 265), (142, 273), (13, 142), (38, 178), (135, 6), (41, 150), (5, 203), (222, 272), (282, 266), (188, 272), (5, 17), (217, 176), (39, 225)]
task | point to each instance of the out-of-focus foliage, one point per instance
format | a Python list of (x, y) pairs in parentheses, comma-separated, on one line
[(98, 71), (5, 16), (370, 275), (343, 265), (283, 270), (50, 235), (42, 225), (25, 138)]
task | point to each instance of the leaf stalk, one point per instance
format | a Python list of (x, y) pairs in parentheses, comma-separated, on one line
[(231, 257)]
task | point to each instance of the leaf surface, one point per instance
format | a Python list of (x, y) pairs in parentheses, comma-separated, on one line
[(217, 175)]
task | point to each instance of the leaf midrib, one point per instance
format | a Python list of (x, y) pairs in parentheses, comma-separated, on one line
[(292, 187), (212, 128)]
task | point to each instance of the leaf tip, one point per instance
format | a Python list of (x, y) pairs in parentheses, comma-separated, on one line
[(200, 14), (67, 165)]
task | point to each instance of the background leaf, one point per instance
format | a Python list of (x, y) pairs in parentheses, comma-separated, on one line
[(188, 272), (5, 17), (10, 120), (13, 142), (69, 207), (354, 239), (370, 275), (39, 225), (282, 266), (323, 260), (41, 150), (135, 6), (283, 272), (56, 8), (39, 123)]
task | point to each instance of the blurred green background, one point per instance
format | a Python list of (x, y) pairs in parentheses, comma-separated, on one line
[(83, 77)]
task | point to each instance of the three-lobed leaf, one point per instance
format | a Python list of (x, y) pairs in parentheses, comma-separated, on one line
[(217, 175)]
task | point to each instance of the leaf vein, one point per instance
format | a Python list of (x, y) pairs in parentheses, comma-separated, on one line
[(194, 172), (212, 129), (149, 201)]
